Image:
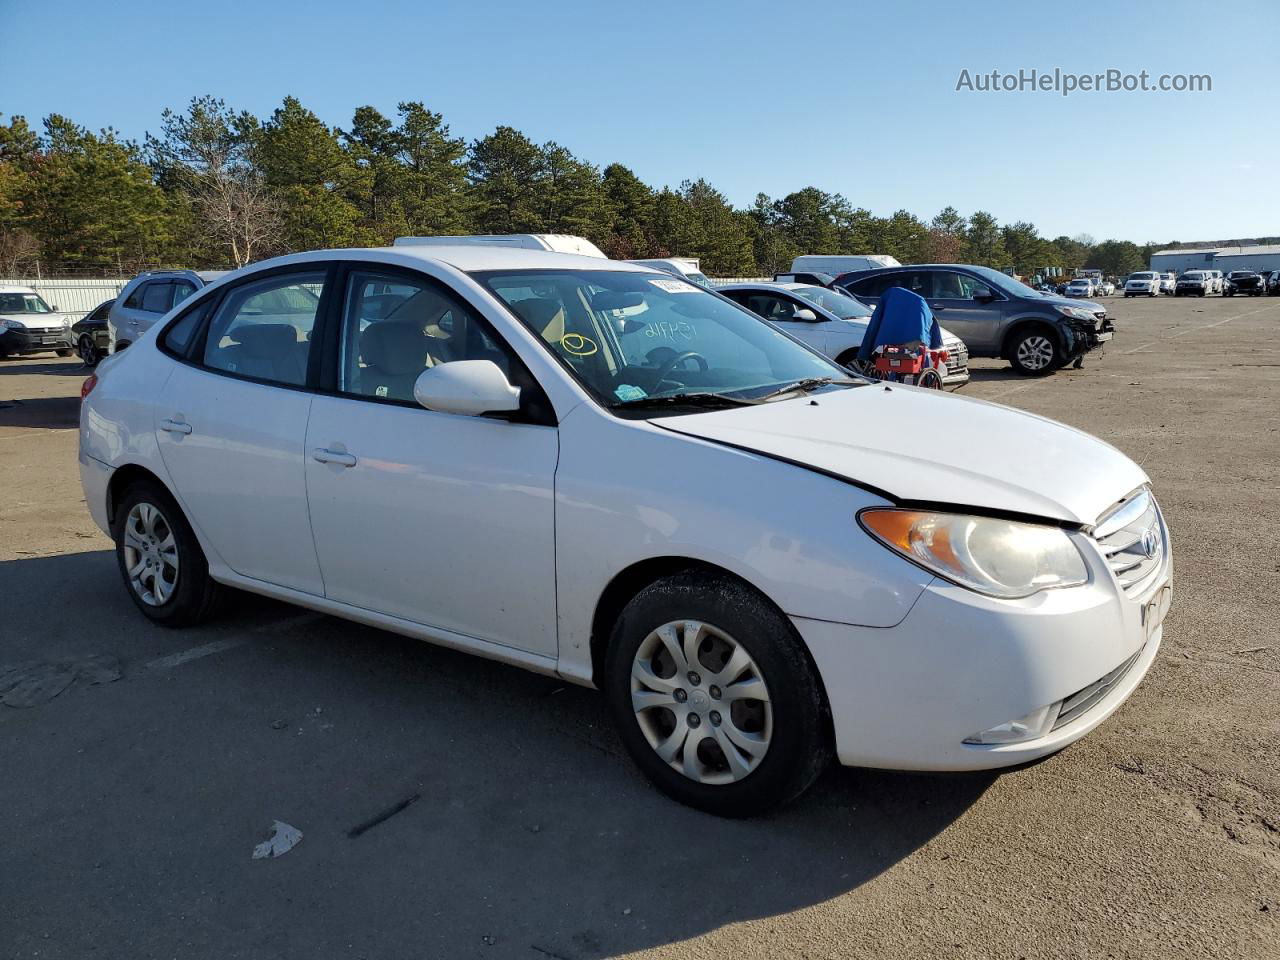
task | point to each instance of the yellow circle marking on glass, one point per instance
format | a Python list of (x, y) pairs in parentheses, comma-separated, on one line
[(578, 345)]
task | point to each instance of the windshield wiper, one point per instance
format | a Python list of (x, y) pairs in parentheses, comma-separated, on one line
[(810, 383), (703, 399)]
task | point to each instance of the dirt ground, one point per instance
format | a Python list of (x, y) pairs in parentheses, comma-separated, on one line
[(133, 799)]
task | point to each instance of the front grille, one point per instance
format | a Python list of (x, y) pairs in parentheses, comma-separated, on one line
[(1132, 539), (1082, 701)]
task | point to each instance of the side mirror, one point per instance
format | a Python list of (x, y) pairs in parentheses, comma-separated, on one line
[(983, 296), (804, 313), (467, 387)]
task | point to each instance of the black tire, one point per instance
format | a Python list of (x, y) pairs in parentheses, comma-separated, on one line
[(849, 360), (88, 352), (64, 353), (194, 594), (1022, 338), (800, 743), (1227, 293)]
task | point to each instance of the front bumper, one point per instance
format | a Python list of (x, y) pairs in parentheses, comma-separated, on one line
[(35, 341), (907, 697)]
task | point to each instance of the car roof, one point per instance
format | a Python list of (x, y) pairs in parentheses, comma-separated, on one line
[(467, 258), (771, 285)]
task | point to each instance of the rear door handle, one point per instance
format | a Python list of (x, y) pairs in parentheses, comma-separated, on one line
[(938, 306), (321, 455), (176, 426)]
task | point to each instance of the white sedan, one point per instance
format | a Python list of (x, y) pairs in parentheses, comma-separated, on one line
[(607, 474), (831, 322)]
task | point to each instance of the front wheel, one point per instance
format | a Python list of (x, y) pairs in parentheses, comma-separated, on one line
[(164, 569), (715, 697), (1035, 353)]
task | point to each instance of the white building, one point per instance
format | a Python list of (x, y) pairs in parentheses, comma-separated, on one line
[(1261, 258)]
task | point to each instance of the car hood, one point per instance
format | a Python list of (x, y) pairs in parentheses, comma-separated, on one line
[(1076, 303), (924, 446)]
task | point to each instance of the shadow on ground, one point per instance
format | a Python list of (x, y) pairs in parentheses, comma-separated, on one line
[(41, 412), (527, 832)]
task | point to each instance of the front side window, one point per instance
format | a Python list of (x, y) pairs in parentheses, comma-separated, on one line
[(771, 306), (263, 328), (630, 337), (959, 286), (396, 327), (842, 305)]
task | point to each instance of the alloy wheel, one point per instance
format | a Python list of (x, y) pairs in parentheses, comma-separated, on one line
[(88, 353), (1035, 352), (150, 554), (701, 702)]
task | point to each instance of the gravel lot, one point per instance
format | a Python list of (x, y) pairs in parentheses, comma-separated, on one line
[(131, 806)]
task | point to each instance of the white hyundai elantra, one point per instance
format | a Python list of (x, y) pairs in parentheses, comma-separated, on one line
[(605, 473)]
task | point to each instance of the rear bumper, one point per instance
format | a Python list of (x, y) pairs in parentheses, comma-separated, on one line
[(32, 341), (95, 476)]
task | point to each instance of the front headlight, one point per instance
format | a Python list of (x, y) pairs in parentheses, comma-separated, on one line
[(11, 325), (999, 558), (1076, 313)]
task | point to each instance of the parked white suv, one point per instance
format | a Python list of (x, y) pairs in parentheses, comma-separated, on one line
[(608, 474), (1143, 283)]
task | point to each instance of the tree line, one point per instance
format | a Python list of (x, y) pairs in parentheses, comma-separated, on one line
[(216, 187)]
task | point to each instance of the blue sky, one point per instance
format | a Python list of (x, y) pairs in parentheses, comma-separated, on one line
[(857, 98)]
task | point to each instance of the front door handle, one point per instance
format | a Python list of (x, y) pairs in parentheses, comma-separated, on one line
[(175, 426), (321, 455), (937, 306)]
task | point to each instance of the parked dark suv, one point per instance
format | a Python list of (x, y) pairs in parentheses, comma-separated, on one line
[(995, 315), (1245, 283)]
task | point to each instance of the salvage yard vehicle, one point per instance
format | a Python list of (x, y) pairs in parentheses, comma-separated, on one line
[(148, 297), (1193, 283), (90, 334), (995, 315), (607, 474), (29, 325), (1168, 282), (1081, 287), (830, 321), (1143, 283), (1247, 283), (687, 267)]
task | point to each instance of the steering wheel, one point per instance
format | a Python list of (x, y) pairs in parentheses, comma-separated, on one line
[(670, 365)]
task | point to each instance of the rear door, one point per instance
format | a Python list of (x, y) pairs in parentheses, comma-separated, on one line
[(232, 422)]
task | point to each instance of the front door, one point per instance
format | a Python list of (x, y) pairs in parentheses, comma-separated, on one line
[(975, 321), (441, 519)]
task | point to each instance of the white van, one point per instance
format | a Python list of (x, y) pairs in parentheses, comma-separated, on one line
[(554, 242), (690, 268), (834, 265)]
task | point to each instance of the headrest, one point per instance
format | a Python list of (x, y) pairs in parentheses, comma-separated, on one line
[(538, 312), (266, 339), (394, 346)]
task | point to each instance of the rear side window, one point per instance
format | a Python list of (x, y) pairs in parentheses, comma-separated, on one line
[(263, 329), (181, 290), (157, 297)]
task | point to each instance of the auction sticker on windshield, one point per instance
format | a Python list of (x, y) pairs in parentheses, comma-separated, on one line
[(674, 286)]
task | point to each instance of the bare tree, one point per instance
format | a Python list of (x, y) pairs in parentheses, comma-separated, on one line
[(19, 250), (209, 153)]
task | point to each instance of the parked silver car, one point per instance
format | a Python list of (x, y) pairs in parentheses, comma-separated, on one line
[(147, 298)]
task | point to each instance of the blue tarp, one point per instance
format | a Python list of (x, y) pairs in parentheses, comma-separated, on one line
[(900, 317)]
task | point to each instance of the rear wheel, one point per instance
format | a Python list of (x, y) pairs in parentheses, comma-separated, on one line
[(715, 697), (164, 569), (1034, 352), (88, 352), (930, 380)]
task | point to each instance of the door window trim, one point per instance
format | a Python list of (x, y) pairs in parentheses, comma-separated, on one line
[(194, 356), (535, 405)]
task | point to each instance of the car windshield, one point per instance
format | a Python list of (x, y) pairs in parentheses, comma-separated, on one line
[(23, 303), (1142, 276), (843, 306), (1193, 276), (635, 338)]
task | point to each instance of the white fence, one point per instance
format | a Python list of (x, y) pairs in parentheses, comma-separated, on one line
[(73, 296)]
